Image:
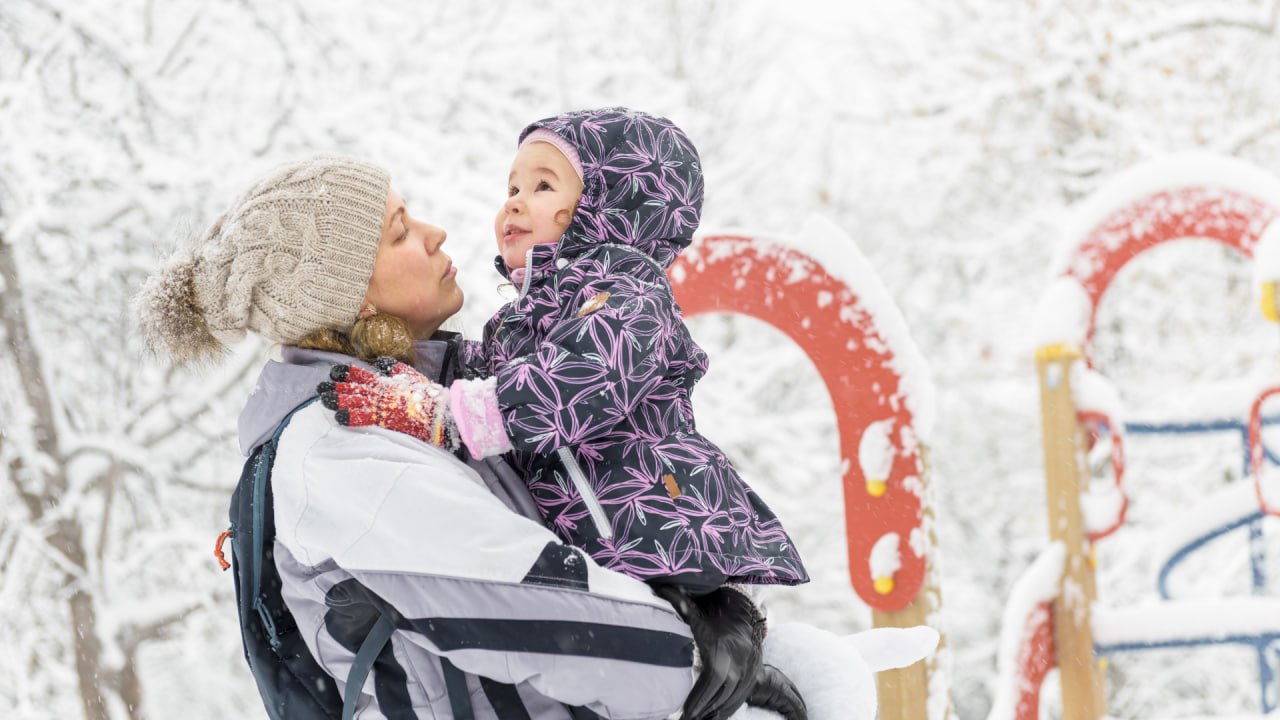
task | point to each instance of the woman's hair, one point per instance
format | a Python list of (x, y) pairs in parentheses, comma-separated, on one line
[(371, 337)]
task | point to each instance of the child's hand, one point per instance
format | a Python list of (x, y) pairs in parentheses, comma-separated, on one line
[(396, 398)]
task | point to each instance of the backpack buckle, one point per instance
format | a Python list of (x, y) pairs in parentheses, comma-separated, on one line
[(217, 549)]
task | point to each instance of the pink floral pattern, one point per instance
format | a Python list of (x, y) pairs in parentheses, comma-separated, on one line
[(595, 358)]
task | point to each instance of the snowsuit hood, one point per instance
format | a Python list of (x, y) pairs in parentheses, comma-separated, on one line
[(642, 185)]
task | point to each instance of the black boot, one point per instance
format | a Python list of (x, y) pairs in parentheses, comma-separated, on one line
[(775, 691), (729, 632)]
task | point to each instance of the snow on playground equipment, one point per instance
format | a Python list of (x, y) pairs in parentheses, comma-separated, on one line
[(1050, 621), (821, 292), (1267, 275)]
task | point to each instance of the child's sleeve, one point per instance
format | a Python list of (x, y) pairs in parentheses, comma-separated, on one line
[(475, 358), (590, 373)]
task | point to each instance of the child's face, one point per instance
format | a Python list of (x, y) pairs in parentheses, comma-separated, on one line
[(542, 193)]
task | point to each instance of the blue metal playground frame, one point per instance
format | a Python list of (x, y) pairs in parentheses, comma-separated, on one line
[(1265, 645)]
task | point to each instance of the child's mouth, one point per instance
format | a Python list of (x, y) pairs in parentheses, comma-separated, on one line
[(513, 232)]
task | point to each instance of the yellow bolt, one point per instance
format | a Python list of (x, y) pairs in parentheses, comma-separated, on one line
[(1059, 351), (884, 585), (1103, 663), (876, 488), (1093, 556), (1269, 309)]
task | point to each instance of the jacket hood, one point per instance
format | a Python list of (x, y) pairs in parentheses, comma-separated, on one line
[(642, 182), (287, 383)]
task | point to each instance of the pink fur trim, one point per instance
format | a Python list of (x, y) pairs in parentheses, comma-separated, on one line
[(474, 404)]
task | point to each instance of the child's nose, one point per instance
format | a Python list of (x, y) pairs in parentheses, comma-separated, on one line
[(514, 204)]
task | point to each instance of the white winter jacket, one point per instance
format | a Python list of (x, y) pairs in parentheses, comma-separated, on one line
[(368, 521)]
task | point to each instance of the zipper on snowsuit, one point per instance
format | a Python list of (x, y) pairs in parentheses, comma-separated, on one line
[(588, 495)]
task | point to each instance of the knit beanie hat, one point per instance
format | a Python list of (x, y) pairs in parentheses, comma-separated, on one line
[(292, 256)]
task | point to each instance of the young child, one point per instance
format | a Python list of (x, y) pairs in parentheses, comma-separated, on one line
[(584, 379)]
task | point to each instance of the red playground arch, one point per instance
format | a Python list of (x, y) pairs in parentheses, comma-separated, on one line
[(794, 293), (1228, 216)]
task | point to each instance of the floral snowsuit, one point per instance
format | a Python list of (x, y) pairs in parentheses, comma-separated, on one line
[(595, 368)]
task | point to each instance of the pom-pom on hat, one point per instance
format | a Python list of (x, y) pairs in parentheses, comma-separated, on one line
[(292, 256)]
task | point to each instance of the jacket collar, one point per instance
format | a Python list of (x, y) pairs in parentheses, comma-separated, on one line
[(290, 381), (540, 262)]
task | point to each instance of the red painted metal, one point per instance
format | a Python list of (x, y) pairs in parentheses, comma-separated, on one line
[(796, 295), (1226, 216), (1256, 457), (1037, 655), (1092, 422)]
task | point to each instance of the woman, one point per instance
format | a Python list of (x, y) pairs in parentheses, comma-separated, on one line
[(322, 257)]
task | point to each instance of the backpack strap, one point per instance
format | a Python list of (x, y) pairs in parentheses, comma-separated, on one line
[(379, 635), (369, 651), (261, 473), (455, 683)]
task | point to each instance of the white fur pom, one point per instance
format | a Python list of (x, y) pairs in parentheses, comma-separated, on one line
[(171, 321)]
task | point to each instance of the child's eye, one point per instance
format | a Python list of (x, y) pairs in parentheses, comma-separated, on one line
[(544, 185), (511, 191)]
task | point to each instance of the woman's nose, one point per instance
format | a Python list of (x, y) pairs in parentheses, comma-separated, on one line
[(435, 238)]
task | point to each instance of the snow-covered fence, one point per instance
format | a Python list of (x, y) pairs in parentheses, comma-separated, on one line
[(1195, 196), (819, 290)]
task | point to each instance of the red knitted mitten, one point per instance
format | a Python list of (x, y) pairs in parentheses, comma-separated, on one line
[(397, 398)]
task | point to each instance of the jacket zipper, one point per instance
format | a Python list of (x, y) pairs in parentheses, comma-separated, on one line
[(588, 495), (528, 273)]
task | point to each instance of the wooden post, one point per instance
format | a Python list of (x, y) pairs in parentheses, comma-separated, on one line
[(904, 693), (1083, 695)]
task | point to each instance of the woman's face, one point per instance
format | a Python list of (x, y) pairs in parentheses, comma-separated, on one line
[(412, 277)]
